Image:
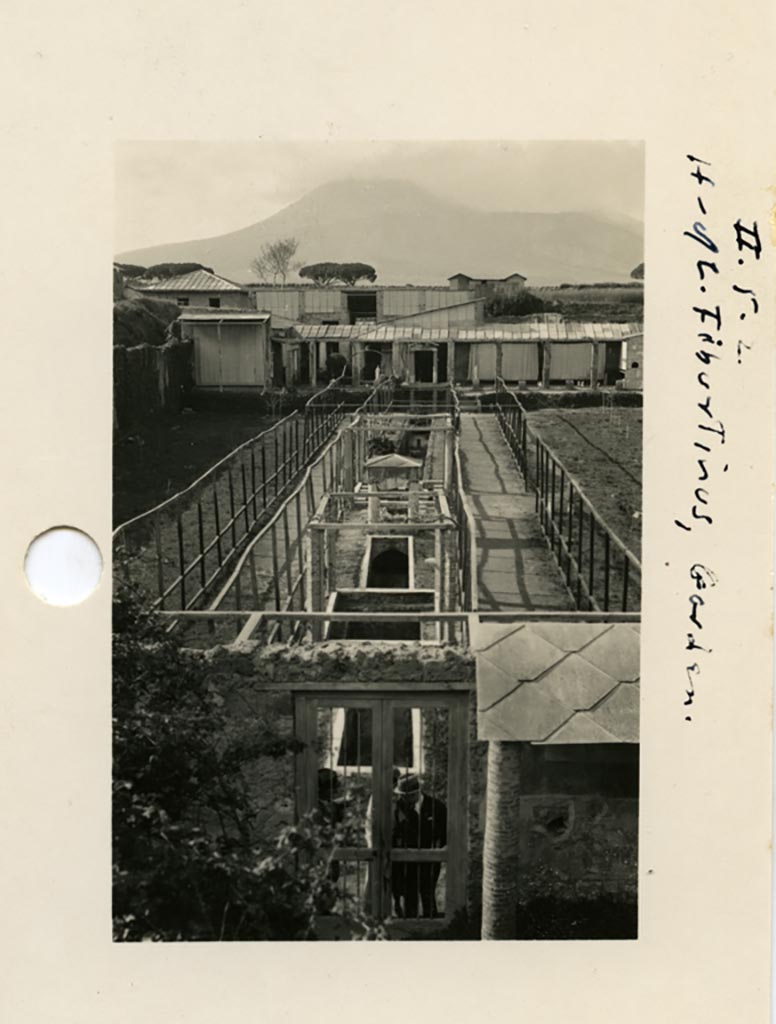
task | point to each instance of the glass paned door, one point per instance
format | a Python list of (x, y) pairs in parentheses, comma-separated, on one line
[(390, 773)]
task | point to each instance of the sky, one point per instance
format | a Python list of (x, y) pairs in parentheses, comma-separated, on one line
[(179, 191)]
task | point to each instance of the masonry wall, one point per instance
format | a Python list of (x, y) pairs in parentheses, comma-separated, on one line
[(579, 806), (149, 379)]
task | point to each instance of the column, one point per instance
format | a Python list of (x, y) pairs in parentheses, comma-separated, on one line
[(547, 351), (501, 857)]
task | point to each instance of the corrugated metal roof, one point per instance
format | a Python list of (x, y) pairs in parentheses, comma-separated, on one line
[(558, 682), (214, 315), (565, 331), (197, 281)]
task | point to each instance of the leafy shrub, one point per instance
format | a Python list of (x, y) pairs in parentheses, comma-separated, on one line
[(162, 271), (523, 304), (186, 861)]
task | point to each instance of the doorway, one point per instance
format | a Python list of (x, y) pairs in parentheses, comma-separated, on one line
[(391, 770), (362, 305), (424, 365)]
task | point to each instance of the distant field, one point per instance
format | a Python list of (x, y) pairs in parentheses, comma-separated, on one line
[(596, 302), (602, 449)]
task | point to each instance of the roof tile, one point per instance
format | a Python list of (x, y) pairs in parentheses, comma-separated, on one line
[(569, 636), (576, 683), (619, 713), (493, 684), (582, 729), (524, 654), (526, 714), (615, 652)]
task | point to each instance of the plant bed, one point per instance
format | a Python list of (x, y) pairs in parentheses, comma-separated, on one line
[(602, 449), (602, 918), (170, 452)]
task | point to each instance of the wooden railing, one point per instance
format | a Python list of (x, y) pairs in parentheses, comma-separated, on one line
[(271, 570), (179, 550), (600, 571), (467, 537), (297, 626)]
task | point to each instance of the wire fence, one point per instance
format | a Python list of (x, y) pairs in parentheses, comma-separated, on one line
[(179, 550), (271, 570), (600, 571)]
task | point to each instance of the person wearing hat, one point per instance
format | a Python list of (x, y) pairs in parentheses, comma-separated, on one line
[(419, 823)]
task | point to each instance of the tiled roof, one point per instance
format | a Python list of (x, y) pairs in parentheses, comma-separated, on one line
[(393, 460), (566, 330), (197, 281), (470, 278), (558, 682)]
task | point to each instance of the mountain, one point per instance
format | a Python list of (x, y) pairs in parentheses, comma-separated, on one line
[(413, 237)]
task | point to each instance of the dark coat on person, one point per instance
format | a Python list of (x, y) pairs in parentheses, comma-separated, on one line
[(420, 826)]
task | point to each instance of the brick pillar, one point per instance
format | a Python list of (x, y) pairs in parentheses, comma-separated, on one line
[(413, 502), (316, 575), (373, 505)]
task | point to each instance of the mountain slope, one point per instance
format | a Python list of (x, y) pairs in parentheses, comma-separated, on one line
[(411, 236)]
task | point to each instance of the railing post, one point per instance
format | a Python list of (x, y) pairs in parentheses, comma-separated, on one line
[(201, 532), (181, 561), (580, 531), (159, 558)]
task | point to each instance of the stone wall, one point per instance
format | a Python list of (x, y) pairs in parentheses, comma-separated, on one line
[(579, 821), (148, 380), (579, 805)]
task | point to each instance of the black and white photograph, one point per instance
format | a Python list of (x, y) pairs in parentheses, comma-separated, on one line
[(387, 556), (377, 511)]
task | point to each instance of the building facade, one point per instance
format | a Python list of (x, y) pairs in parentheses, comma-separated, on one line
[(511, 285), (337, 305), (198, 289)]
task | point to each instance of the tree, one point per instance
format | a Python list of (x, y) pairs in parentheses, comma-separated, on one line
[(186, 861), (129, 269), (276, 260), (162, 271), (638, 272), (321, 273), (350, 273), (523, 304)]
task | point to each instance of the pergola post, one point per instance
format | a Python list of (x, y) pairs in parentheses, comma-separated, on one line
[(546, 362), (357, 361), (594, 364), (316, 576), (501, 858)]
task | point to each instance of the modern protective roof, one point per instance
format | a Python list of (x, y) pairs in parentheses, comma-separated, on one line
[(566, 330), (197, 281), (558, 682), (216, 315)]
